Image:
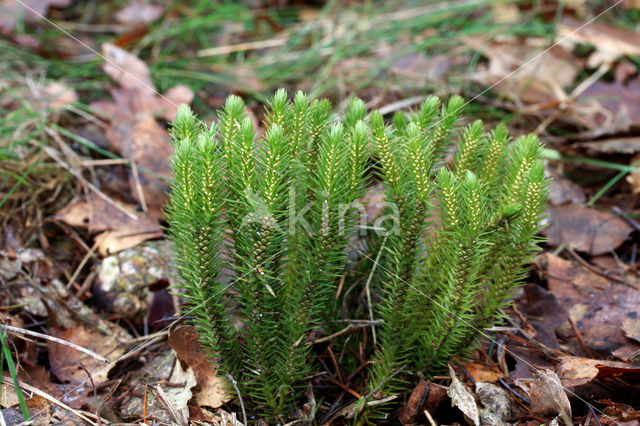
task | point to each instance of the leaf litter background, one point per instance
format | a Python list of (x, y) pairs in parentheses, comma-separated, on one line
[(83, 178)]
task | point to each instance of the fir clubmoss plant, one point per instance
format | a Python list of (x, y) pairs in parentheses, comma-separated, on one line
[(260, 225), (456, 253), (262, 222)]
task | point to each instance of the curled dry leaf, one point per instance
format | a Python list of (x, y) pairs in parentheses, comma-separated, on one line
[(621, 412), (172, 98), (110, 242), (462, 398), (186, 343), (97, 214), (168, 406), (122, 227), (425, 396), (548, 397), (175, 398), (576, 371), (586, 229)]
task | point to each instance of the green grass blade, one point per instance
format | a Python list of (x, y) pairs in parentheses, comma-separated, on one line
[(14, 375)]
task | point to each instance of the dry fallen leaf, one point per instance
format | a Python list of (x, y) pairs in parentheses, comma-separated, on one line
[(634, 177), (177, 397), (621, 412), (172, 98), (97, 214), (186, 343), (586, 229), (581, 285), (145, 141), (596, 305), (505, 13), (630, 145), (614, 106), (537, 81), (483, 373), (55, 95), (133, 129), (46, 96), (576, 371), (110, 242), (548, 396), (631, 328), (425, 396), (139, 12), (563, 191), (122, 227), (11, 11), (161, 388), (39, 409), (129, 71), (462, 398), (65, 361), (610, 42), (8, 397), (544, 312), (416, 69)]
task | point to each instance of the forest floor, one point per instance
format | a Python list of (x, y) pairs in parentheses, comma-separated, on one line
[(87, 90)]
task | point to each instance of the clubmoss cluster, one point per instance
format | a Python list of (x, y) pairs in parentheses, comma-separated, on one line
[(262, 224), (466, 232), (260, 231)]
